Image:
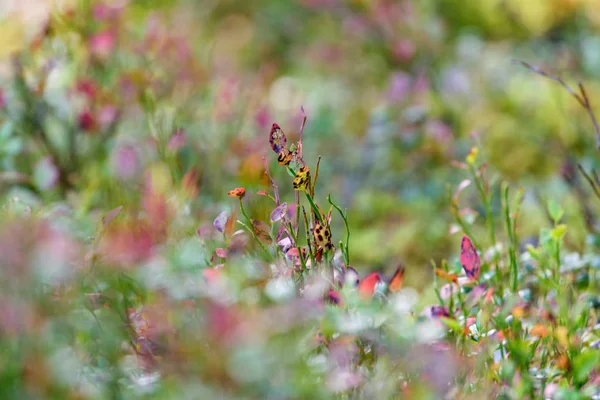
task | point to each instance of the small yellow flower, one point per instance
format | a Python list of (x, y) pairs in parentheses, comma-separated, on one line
[(472, 157)]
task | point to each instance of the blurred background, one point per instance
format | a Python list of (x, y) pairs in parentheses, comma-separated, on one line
[(395, 91), (125, 123)]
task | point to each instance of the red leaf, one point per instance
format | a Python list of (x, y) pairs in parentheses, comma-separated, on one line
[(366, 287), (469, 259)]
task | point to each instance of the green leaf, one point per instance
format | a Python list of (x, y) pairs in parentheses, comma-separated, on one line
[(452, 324), (519, 350), (534, 252), (584, 363), (555, 210), (558, 232)]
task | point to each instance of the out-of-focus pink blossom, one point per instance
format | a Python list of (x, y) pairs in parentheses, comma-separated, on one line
[(222, 323), (177, 140), (355, 25), (421, 84), (204, 231), (438, 131), (404, 50), (106, 12), (102, 44), (340, 380), (126, 163), (400, 84), (127, 245), (550, 390), (55, 254), (16, 316), (437, 366), (107, 115), (262, 118), (2, 99)]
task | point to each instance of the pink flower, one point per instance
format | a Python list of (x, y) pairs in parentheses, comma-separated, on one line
[(107, 115), (262, 118), (177, 141), (404, 50), (105, 12), (102, 44), (400, 85), (126, 162)]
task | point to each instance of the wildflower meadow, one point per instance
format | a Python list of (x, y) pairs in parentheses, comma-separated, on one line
[(303, 199)]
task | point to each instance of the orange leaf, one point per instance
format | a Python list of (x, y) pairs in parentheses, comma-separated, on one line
[(446, 275), (395, 283)]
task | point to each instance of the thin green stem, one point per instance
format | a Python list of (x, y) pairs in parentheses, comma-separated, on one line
[(295, 237), (345, 218), (314, 185), (487, 205), (250, 228), (312, 256), (511, 238), (314, 208)]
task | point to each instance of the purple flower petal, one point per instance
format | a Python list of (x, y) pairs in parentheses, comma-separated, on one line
[(278, 212), (220, 221)]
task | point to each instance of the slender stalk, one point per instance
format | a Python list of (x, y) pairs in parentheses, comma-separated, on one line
[(314, 185), (302, 260), (314, 208), (511, 239), (302, 130), (250, 228), (464, 226), (486, 203), (297, 195), (312, 255), (435, 285), (345, 218), (272, 182)]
